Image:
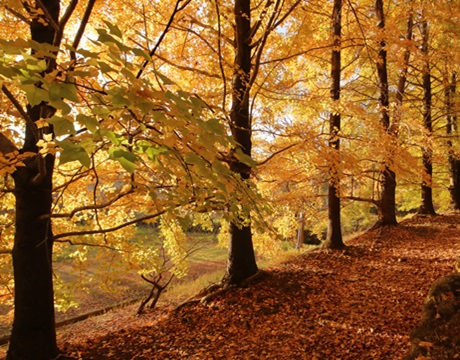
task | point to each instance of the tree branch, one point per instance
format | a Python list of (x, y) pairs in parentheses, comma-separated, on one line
[(68, 13), (121, 226), (48, 16), (81, 29), (18, 15), (357, 198), (177, 9), (6, 145), (263, 162), (90, 207), (21, 110)]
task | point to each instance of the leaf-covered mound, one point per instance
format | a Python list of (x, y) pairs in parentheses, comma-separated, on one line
[(361, 303)]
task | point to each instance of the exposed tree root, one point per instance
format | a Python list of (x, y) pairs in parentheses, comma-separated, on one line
[(209, 293)]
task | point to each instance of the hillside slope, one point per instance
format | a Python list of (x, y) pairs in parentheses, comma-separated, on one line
[(358, 304)]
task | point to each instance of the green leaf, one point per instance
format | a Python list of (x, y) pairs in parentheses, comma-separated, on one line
[(34, 94), (114, 30), (73, 152), (165, 79), (89, 122), (125, 158), (61, 105), (141, 53), (245, 158), (62, 126), (88, 54), (153, 151), (61, 90), (104, 67)]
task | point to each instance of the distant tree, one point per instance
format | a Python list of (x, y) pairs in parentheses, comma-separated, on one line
[(450, 91), (426, 205), (334, 230), (386, 205)]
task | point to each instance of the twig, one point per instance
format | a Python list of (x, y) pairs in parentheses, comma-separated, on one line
[(177, 8)]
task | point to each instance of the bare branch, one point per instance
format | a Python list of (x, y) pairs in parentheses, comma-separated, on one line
[(188, 68), (263, 162), (177, 9), (6, 251), (68, 13), (18, 15), (219, 54), (81, 29)]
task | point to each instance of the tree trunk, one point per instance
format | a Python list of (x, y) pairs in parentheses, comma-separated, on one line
[(300, 232), (241, 257), (334, 229), (387, 202), (426, 206), (451, 129), (33, 335)]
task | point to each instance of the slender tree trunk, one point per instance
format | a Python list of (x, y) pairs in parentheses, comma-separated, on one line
[(33, 335), (426, 206), (241, 256), (387, 202), (334, 230), (451, 129), (300, 232)]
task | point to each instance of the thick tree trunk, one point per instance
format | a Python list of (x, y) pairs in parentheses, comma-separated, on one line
[(334, 230), (451, 129), (426, 205), (241, 257), (33, 335), (387, 202)]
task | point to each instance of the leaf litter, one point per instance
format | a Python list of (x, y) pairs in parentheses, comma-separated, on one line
[(361, 303)]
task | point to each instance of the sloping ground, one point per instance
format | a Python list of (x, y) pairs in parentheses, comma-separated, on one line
[(358, 304)]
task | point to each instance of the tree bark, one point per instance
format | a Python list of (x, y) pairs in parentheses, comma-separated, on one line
[(241, 257), (387, 203), (451, 129), (33, 335), (426, 206), (334, 230)]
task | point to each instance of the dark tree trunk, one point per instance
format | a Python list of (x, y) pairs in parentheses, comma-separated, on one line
[(241, 257), (454, 186), (426, 206), (387, 202), (33, 335), (451, 129), (334, 230)]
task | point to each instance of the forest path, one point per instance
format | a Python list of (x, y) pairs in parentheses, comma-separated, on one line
[(361, 303)]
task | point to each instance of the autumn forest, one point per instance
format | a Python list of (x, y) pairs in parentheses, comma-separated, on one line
[(134, 134)]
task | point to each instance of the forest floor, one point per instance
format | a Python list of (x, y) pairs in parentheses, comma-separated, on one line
[(361, 303)]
